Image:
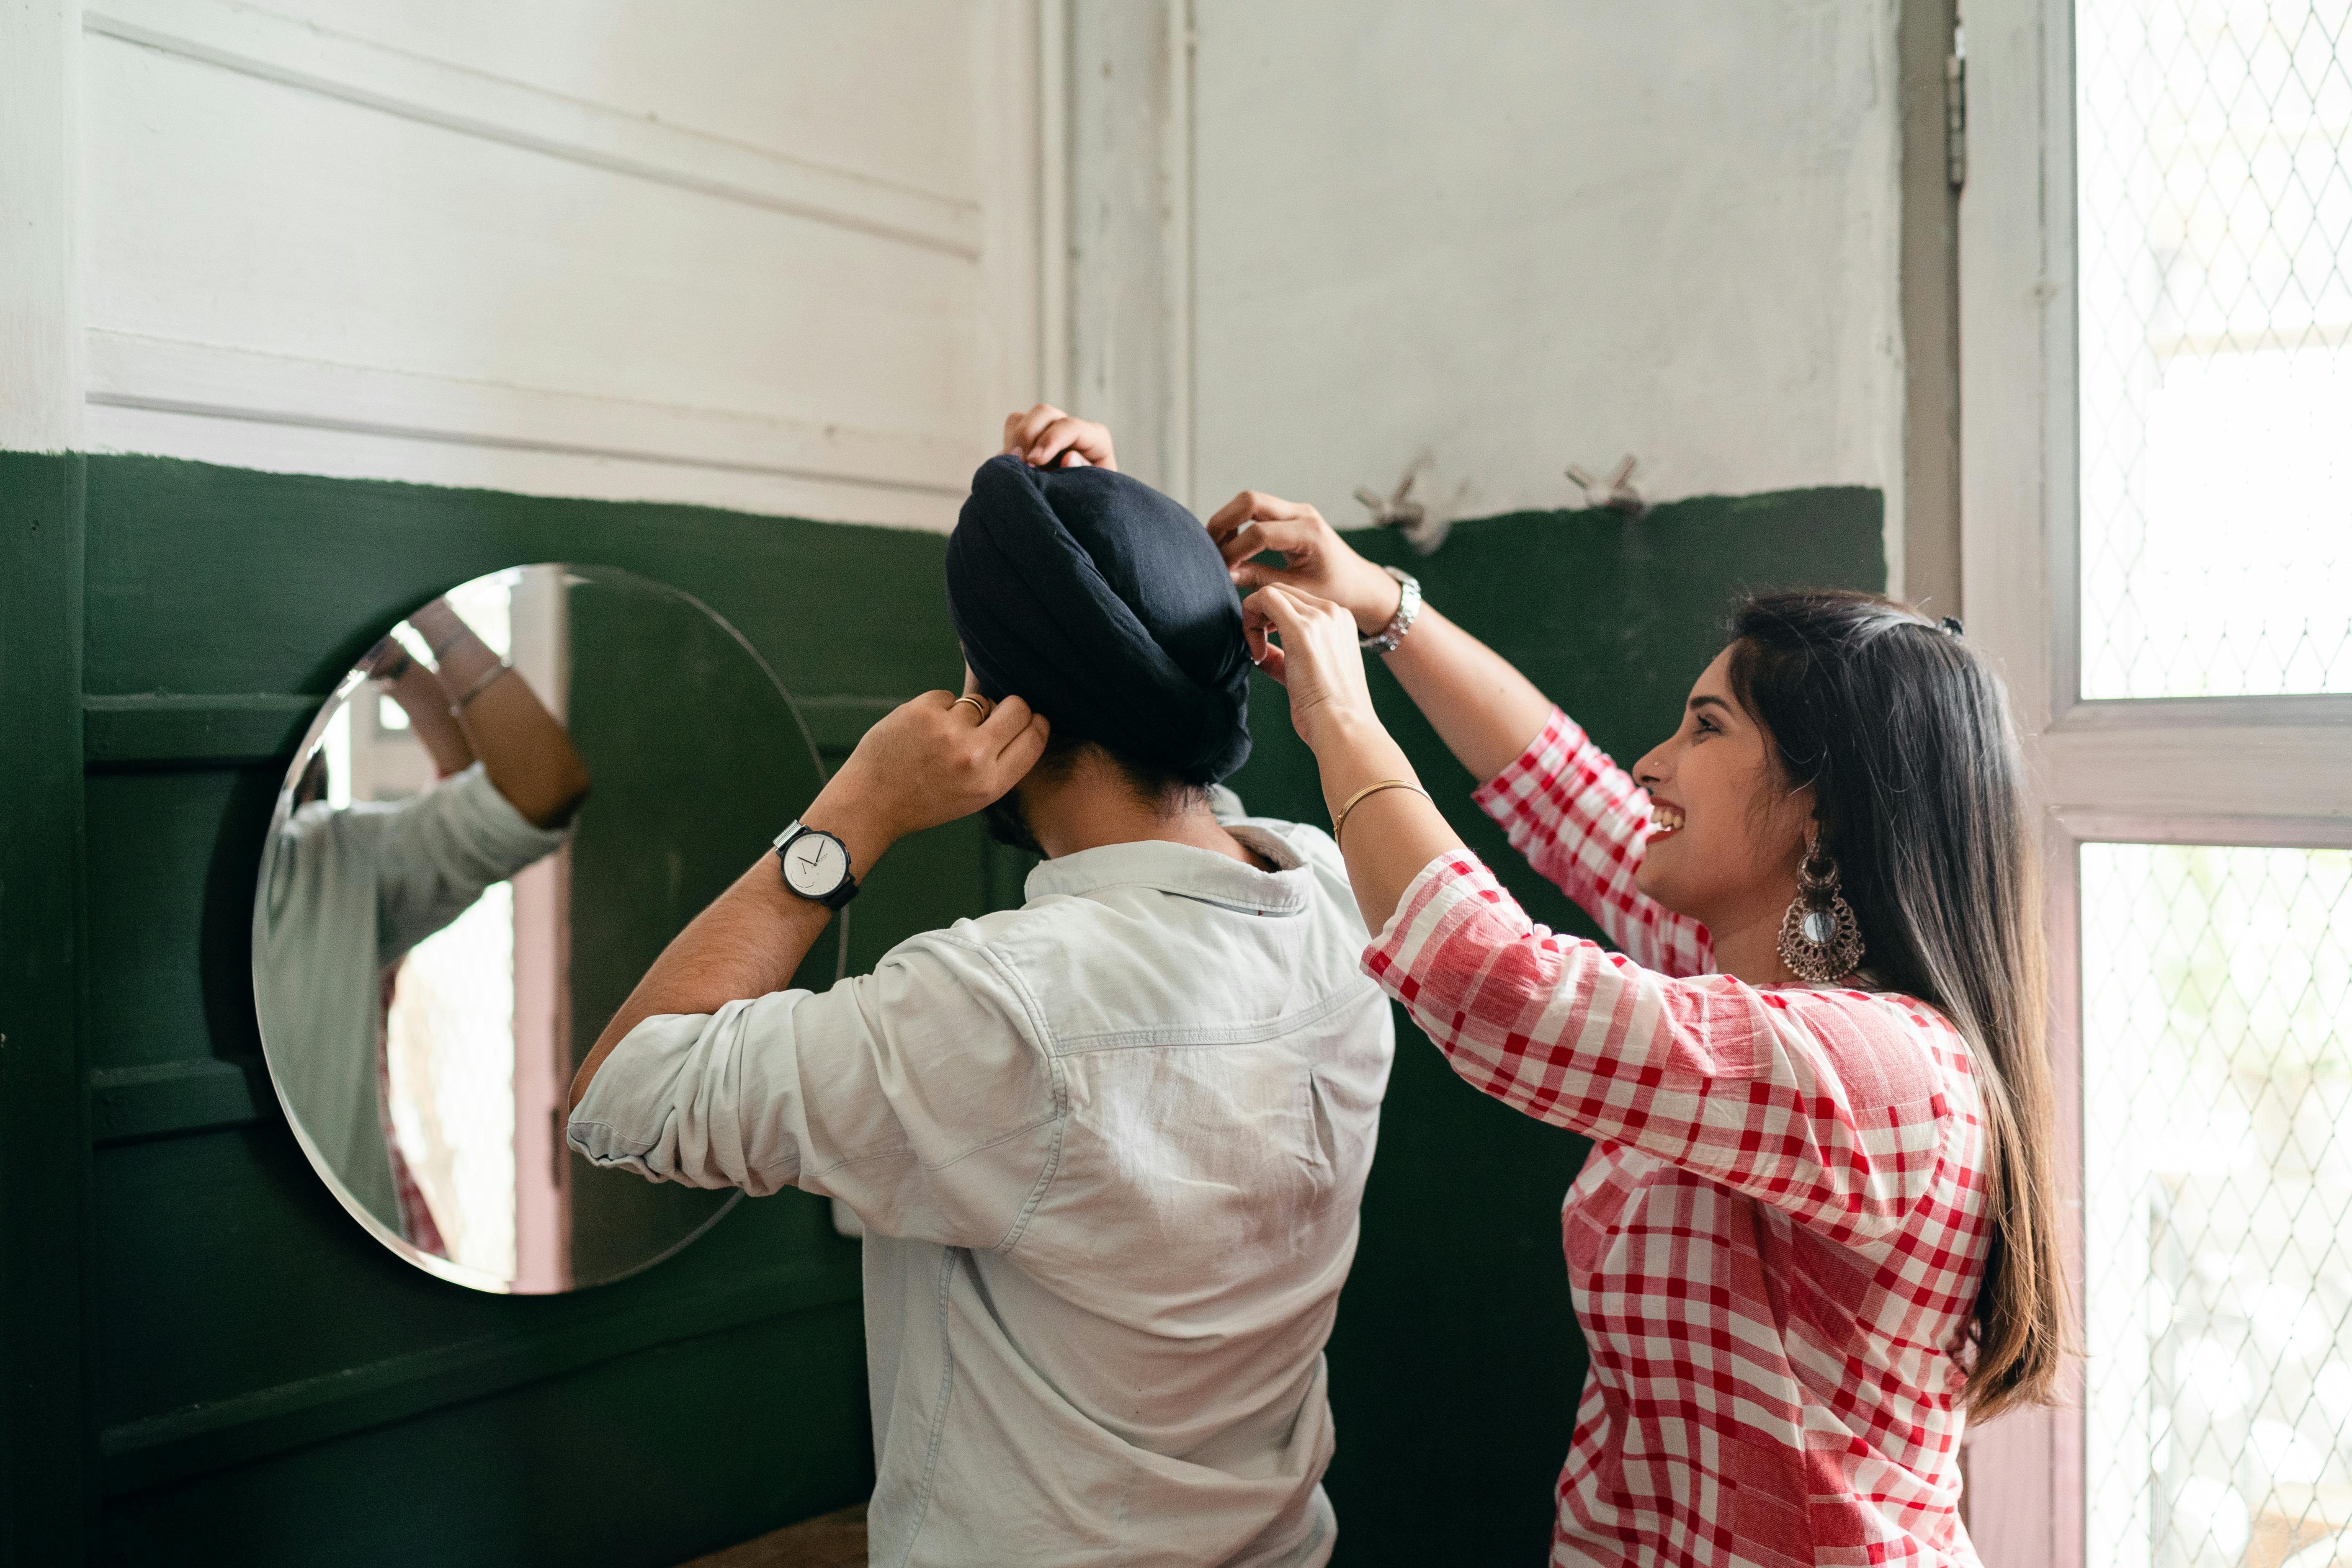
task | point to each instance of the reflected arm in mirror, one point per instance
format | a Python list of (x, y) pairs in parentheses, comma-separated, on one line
[(929, 761), (420, 695), (526, 753)]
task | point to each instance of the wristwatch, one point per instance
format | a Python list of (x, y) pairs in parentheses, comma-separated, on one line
[(1408, 611), (815, 864)]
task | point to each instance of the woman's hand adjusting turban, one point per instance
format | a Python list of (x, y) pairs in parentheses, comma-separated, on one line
[(1105, 605)]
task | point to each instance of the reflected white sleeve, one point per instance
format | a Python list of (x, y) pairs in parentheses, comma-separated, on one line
[(435, 855)]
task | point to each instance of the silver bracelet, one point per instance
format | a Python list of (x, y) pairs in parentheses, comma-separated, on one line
[(1408, 611), (488, 679)]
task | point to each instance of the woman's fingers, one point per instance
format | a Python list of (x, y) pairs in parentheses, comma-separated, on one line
[(1252, 574), (1291, 537), (1314, 557), (1255, 505), (1288, 613), (1310, 644), (1269, 660), (1263, 652), (1280, 611)]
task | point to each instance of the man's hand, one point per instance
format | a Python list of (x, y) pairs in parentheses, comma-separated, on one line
[(929, 761), (1314, 559), (1045, 438)]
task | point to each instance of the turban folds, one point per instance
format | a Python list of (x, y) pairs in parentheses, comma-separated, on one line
[(1105, 606)]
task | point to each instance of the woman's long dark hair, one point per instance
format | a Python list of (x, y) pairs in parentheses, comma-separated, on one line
[(1903, 733)]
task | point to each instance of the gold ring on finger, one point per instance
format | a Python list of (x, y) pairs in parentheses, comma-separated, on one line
[(980, 705)]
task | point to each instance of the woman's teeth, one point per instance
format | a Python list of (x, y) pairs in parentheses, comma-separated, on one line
[(1664, 819)]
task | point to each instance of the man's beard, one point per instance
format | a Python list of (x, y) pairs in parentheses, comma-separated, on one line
[(1009, 825)]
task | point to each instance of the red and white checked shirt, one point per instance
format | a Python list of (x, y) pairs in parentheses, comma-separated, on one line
[(1777, 1242)]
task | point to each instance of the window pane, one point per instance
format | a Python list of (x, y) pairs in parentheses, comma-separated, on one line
[(2217, 1119), (2214, 167)]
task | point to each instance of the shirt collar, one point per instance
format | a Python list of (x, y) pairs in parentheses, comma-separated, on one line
[(1184, 870)]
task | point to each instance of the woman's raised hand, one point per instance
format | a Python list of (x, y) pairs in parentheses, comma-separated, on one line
[(1316, 658), (1314, 559), (1045, 438)]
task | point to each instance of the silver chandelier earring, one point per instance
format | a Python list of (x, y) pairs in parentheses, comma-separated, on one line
[(1820, 939)]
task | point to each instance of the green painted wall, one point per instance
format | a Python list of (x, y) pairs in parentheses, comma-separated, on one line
[(202, 1359)]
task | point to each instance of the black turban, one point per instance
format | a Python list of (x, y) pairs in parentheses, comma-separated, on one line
[(1105, 606)]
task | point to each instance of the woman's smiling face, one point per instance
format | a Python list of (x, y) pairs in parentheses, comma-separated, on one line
[(1726, 831)]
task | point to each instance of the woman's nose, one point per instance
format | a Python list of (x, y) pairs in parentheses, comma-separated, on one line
[(1650, 772)]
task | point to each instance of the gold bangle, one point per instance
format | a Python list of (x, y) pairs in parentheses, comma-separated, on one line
[(1339, 817)]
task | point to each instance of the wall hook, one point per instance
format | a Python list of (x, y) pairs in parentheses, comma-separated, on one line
[(1423, 528), (1617, 493)]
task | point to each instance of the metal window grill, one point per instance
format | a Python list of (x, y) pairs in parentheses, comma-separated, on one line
[(2214, 150), (2217, 1004)]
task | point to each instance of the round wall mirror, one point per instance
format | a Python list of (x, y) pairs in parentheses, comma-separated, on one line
[(491, 830)]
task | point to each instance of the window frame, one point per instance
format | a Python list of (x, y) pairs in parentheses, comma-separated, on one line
[(2261, 770)]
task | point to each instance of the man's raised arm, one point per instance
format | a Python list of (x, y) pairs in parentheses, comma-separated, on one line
[(931, 759)]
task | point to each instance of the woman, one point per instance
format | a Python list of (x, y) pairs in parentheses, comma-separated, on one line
[(1818, 1224)]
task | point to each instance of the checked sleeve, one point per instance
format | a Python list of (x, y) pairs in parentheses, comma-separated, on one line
[(1831, 1106), (1582, 821)]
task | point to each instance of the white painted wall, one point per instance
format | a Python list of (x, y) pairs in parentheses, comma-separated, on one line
[(782, 258), (1513, 236), (800, 257), (41, 369)]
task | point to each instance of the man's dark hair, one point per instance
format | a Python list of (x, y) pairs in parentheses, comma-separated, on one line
[(1163, 789)]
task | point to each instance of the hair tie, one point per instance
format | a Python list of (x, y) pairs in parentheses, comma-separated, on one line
[(1951, 625)]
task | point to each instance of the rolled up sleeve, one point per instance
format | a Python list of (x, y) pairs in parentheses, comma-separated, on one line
[(921, 1095)]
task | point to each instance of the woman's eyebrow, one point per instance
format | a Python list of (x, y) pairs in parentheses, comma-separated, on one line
[(1709, 699)]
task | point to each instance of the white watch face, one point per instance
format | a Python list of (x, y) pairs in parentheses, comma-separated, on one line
[(815, 864)]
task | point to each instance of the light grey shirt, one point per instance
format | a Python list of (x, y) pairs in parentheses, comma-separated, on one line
[(347, 892), (1108, 1149)]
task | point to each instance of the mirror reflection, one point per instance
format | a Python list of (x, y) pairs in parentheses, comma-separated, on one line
[(502, 814)]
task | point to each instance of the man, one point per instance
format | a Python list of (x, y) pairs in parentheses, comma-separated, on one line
[(1108, 1147)]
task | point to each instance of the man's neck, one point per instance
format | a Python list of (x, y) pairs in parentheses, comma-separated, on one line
[(1091, 806)]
